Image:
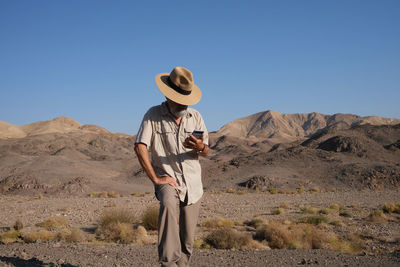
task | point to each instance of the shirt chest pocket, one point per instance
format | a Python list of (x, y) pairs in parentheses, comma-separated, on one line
[(165, 133)]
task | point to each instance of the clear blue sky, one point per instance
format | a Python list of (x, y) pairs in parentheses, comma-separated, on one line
[(95, 61)]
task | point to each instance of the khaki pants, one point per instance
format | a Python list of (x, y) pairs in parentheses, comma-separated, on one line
[(175, 242)]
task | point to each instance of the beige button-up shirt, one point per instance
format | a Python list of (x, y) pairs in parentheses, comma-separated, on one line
[(164, 139)]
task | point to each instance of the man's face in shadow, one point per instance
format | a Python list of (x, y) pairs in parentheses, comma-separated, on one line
[(176, 109)]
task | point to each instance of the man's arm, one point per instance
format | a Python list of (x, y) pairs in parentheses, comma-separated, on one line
[(144, 159)]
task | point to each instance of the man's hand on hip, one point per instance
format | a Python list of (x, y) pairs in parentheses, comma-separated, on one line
[(166, 180)]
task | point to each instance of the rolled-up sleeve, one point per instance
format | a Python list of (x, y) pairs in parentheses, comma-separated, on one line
[(145, 133)]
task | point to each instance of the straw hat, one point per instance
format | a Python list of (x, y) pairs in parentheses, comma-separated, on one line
[(179, 86)]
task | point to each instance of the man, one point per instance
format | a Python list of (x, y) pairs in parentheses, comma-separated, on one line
[(167, 132)]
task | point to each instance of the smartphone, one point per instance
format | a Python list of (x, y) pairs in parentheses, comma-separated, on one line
[(198, 134)]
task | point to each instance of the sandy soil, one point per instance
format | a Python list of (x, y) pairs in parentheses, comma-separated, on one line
[(83, 212)]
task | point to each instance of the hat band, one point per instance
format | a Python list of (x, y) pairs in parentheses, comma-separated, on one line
[(176, 88)]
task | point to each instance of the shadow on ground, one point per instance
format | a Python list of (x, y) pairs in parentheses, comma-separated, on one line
[(32, 262)]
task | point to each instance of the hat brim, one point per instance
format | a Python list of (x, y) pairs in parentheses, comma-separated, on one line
[(192, 99)]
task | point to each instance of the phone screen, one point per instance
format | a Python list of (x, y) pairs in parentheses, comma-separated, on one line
[(197, 134)]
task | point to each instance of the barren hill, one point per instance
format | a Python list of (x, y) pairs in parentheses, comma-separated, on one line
[(282, 128), (63, 157), (60, 125)]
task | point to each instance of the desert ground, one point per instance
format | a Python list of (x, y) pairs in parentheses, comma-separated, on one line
[(280, 189)]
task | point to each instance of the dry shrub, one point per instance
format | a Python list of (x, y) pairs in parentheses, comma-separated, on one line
[(346, 213), (18, 225), (54, 223), (122, 233), (335, 206), (76, 235), (116, 216), (300, 190), (256, 222), (218, 222), (315, 189), (39, 235), (116, 225), (277, 211), (314, 220), (102, 195), (391, 208), (290, 192), (138, 194), (297, 236), (377, 216), (336, 223), (150, 218), (141, 235), (117, 232), (112, 194), (273, 191), (308, 209), (326, 211), (228, 238), (351, 244), (275, 233), (10, 236)]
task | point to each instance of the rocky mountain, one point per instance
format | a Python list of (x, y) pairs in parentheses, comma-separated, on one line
[(283, 128), (62, 156)]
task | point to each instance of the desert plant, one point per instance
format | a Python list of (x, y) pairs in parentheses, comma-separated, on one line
[(54, 223), (377, 216), (273, 191), (300, 190), (150, 218), (76, 236), (39, 235), (228, 238), (326, 211), (314, 189), (10, 236), (218, 222), (116, 215), (345, 213), (277, 211), (18, 225), (308, 209), (290, 192), (138, 194), (277, 234), (117, 232), (102, 195), (336, 223), (335, 206), (112, 194), (349, 244), (256, 222), (314, 220), (391, 208)]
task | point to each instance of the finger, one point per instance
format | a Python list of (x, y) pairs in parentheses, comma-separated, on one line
[(193, 137), (192, 143)]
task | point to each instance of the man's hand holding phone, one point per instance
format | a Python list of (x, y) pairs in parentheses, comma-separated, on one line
[(195, 141)]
